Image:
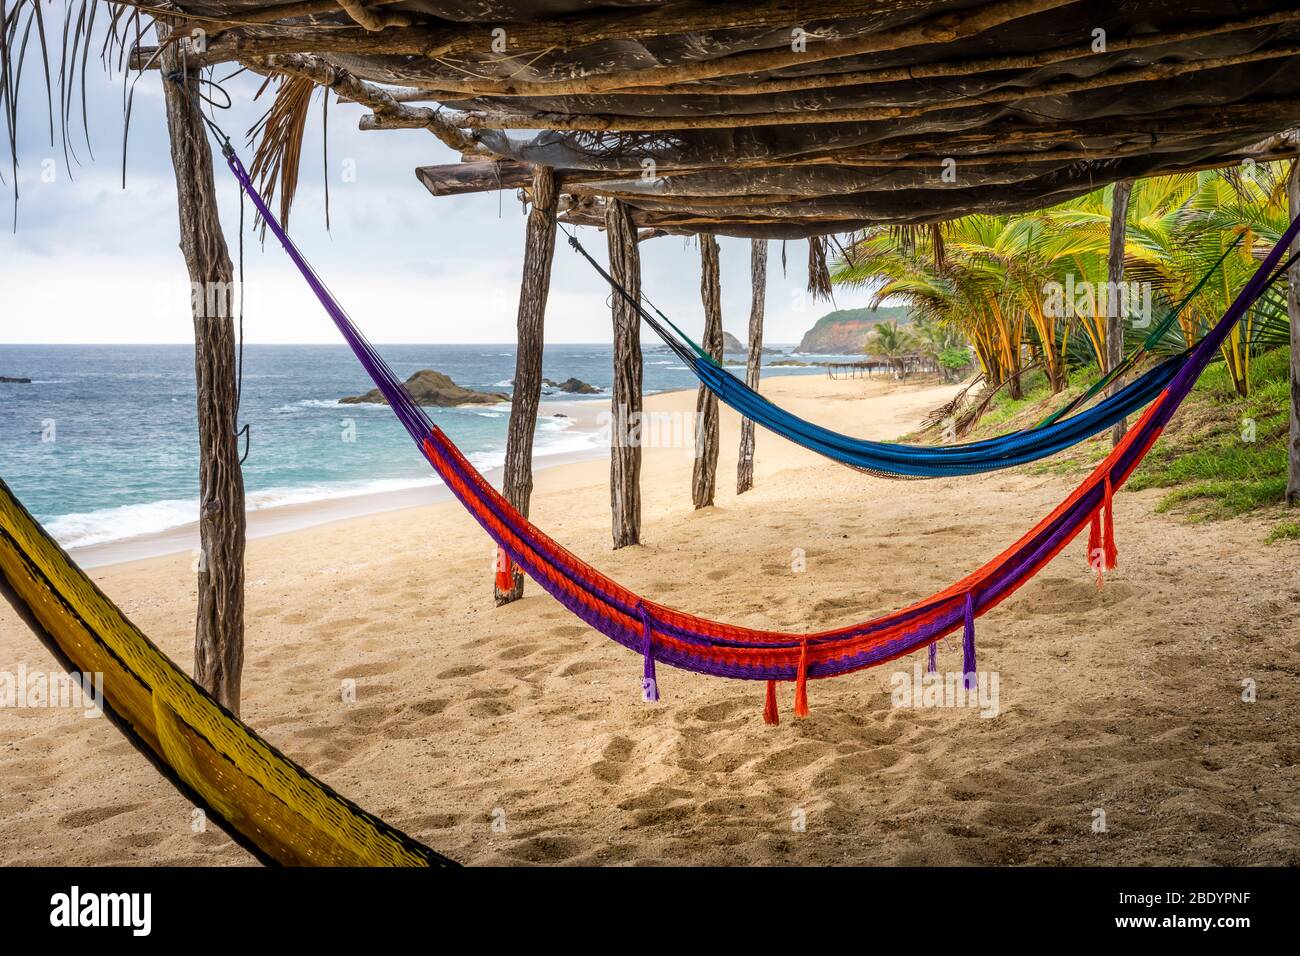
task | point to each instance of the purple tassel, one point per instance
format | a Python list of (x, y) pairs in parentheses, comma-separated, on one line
[(968, 643), (649, 683), (934, 656)]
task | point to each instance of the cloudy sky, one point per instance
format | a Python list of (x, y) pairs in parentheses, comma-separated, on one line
[(93, 262)]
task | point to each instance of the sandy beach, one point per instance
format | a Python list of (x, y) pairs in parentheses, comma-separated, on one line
[(517, 735)]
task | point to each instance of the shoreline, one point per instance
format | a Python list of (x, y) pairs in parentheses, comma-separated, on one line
[(299, 516)]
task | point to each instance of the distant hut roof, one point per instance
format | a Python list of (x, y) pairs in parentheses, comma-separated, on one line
[(780, 119)]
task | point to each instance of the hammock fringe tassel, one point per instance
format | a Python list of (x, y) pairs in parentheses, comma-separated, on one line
[(505, 572), (1103, 554), (770, 714), (801, 684), (649, 681), (968, 643)]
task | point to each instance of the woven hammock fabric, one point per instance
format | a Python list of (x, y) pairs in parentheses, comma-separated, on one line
[(267, 803), (698, 644), (894, 460)]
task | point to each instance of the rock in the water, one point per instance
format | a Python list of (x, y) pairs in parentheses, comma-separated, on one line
[(428, 387), (572, 386), (9, 380), (733, 346)]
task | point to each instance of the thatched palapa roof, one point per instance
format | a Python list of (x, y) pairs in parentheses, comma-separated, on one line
[(783, 119)]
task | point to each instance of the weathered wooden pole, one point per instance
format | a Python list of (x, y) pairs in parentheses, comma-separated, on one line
[(758, 299), (539, 246), (219, 625), (625, 440), (704, 476), (1293, 313), (1114, 301)]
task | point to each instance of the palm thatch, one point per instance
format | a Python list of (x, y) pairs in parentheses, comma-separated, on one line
[(756, 118)]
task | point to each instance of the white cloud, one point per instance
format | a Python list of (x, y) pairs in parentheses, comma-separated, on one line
[(92, 262)]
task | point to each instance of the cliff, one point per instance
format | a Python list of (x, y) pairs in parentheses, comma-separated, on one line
[(845, 331)]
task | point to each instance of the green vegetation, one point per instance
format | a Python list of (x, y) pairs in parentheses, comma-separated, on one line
[(1031, 291), (1286, 531), (1031, 296), (885, 313), (1222, 455)]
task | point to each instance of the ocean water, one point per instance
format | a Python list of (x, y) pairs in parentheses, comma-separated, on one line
[(101, 446)]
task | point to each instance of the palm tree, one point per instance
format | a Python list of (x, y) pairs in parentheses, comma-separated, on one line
[(988, 278), (892, 341)]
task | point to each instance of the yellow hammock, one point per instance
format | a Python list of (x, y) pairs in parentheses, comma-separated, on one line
[(267, 803)]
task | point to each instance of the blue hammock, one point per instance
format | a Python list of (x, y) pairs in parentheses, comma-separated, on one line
[(892, 460)]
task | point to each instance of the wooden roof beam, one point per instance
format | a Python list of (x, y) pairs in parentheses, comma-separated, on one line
[(942, 28), (1012, 95), (236, 37), (369, 94)]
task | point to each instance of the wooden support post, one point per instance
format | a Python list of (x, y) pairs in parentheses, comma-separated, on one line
[(1115, 277), (625, 442), (219, 624), (1293, 313), (704, 477), (539, 246), (758, 283)]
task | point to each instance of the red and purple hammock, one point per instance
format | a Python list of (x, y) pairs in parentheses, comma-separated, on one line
[(663, 634)]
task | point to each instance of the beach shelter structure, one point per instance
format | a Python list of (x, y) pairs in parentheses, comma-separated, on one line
[(759, 119)]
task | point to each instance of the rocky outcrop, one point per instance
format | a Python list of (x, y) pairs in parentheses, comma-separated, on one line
[(572, 386), (9, 380), (845, 331), (428, 387)]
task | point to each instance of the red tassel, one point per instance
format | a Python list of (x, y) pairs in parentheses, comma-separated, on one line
[(1096, 556), (505, 572), (801, 684), (1108, 534), (770, 714)]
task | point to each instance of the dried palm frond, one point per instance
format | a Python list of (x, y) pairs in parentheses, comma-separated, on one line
[(971, 416), (819, 274), (936, 244), (950, 410), (277, 140)]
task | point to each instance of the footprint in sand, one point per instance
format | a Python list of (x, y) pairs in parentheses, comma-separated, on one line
[(612, 766), (365, 717), (853, 769), (85, 818), (490, 708), (789, 759), (461, 670), (723, 710), (544, 849), (655, 798), (434, 821), (140, 841), (576, 668), (365, 670), (429, 707)]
